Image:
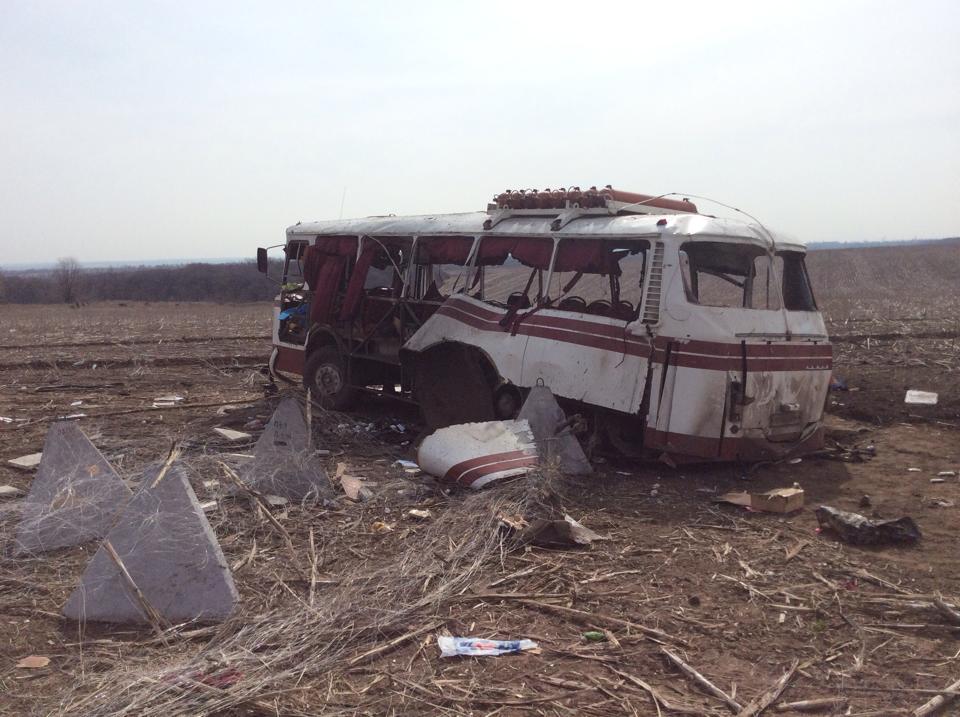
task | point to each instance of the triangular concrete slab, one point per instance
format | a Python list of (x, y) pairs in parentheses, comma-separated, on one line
[(282, 463), (171, 553), (545, 416), (75, 496), (285, 433)]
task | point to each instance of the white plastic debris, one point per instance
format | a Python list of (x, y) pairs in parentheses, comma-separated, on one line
[(475, 454), (232, 435), (921, 398), (476, 646), (10, 491), (27, 462)]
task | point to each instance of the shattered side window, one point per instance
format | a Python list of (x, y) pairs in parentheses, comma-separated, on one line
[(601, 277), (442, 267), (512, 271), (797, 291), (727, 275), (293, 266)]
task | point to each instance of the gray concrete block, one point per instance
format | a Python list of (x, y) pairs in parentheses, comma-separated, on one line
[(544, 414), (75, 496), (282, 463), (285, 433), (170, 551)]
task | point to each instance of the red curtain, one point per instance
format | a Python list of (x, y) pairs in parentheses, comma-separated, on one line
[(587, 255), (445, 250), (325, 288), (532, 252), (351, 301)]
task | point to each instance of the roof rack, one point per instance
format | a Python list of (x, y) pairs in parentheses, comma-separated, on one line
[(569, 204)]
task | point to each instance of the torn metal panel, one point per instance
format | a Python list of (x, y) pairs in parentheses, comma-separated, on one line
[(476, 454)]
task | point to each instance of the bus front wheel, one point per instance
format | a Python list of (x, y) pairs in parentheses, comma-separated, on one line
[(325, 375)]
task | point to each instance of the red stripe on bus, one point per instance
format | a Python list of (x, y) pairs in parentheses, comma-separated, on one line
[(472, 476), (556, 334), (457, 472)]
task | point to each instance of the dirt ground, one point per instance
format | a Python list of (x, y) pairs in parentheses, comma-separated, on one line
[(738, 595)]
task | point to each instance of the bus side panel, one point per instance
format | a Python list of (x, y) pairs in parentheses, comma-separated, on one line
[(586, 358)]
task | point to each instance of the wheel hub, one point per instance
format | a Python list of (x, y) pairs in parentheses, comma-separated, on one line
[(329, 381)]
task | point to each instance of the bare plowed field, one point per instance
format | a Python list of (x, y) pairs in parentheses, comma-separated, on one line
[(341, 604)]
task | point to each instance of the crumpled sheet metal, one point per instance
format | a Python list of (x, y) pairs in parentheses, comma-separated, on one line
[(476, 454), (857, 529)]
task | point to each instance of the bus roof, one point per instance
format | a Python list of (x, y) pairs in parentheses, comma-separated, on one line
[(681, 227)]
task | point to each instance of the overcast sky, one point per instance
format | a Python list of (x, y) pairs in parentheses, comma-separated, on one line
[(151, 130)]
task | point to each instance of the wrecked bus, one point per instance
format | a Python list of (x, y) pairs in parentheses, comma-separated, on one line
[(672, 332)]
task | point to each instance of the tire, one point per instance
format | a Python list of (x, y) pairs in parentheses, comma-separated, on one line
[(325, 375)]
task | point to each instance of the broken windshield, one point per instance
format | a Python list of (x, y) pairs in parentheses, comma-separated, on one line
[(745, 276)]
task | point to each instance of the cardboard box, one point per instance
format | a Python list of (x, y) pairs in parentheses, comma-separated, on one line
[(781, 500)]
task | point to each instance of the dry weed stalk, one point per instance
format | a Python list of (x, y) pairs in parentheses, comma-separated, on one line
[(367, 614)]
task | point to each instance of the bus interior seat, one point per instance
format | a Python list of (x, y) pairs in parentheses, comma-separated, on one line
[(518, 300), (573, 303), (600, 307)]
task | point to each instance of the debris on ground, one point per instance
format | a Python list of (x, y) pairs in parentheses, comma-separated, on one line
[(408, 467), (859, 530), (553, 432), (559, 533), (9, 491), (25, 463), (232, 435), (355, 488), (75, 496), (476, 454), (780, 500), (477, 647), (160, 564), (921, 398), (33, 662)]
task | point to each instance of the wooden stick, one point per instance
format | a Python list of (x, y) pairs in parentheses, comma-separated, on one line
[(173, 455), (944, 609), (764, 700), (151, 613), (656, 695), (812, 705), (934, 705), (309, 421), (703, 682), (587, 618), (313, 569)]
